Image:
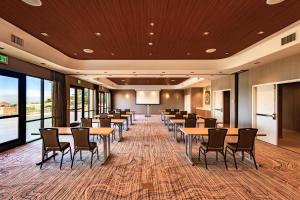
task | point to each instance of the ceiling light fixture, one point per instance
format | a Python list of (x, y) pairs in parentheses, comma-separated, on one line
[(112, 54), (260, 33), (151, 33), (45, 34), (152, 24), (75, 54), (273, 2), (88, 50), (226, 53), (98, 34), (123, 80), (210, 50), (188, 53), (206, 33), (150, 43), (172, 80), (150, 54), (33, 2)]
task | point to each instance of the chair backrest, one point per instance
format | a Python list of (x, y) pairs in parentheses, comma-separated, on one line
[(111, 112), (172, 112), (105, 122), (183, 112), (86, 122), (123, 112), (117, 116), (190, 123), (50, 137), (192, 116), (210, 123), (216, 138), (103, 116), (168, 110), (176, 110), (178, 116), (127, 110), (81, 137), (246, 138)]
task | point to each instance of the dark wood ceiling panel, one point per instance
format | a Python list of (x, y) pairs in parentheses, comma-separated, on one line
[(124, 26), (147, 81)]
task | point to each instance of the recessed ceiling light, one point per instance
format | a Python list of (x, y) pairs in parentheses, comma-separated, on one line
[(152, 24), (75, 54), (151, 33), (172, 80), (150, 54), (112, 54), (206, 33), (88, 50), (33, 2), (260, 33), (210, 50), (150, 43), (273, 2), (226, 53), (123, 80), (45, 34), (98, 34), (188, 53)]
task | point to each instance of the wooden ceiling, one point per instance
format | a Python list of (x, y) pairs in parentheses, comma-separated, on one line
[(125, 26), (147, 81)]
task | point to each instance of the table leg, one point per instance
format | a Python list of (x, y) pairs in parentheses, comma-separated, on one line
[(189, 149), (165, 122), (104, 149), (127, 126), (131, 119)]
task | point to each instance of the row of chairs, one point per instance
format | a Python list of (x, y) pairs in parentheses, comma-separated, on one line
[(81, 139), (216, 141)]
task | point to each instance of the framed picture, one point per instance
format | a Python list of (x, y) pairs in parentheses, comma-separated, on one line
[(207, 97)]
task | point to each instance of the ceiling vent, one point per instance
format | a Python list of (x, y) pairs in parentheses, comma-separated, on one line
[(17, 40), (288, 39)]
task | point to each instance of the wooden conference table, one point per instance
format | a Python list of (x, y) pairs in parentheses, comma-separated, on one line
[(104, 133), (118, 122), (190, 132)]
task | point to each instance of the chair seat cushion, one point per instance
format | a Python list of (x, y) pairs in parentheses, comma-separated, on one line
[(93, 145), (63, 145)]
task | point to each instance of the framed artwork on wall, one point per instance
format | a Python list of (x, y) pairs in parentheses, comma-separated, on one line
[(207, 97)]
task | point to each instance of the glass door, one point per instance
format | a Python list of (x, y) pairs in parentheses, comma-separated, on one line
[(9, 109)]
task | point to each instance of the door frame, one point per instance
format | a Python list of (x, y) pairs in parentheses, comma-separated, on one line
[(213, 102), (253, 99), (21, 110)]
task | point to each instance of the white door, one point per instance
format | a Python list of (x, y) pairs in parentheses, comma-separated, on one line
[(265, 116), (218, 106)]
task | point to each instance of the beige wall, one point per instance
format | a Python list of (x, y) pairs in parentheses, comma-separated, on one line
[(175, 100)]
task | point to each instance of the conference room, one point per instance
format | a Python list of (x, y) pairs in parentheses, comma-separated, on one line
[(149, 99)]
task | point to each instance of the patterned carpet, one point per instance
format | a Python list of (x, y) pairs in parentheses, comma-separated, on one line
[(147, 164)]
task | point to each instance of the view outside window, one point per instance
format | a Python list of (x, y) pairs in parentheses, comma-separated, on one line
[(79, 104), (48, 104), (72, 105), (38, 107), (86, 102), (9, 119), (92, 102)]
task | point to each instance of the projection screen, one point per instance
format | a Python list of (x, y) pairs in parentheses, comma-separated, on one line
[(144, 97)]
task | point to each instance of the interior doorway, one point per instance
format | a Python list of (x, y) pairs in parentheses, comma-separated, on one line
[(222, 107), (289, 116)]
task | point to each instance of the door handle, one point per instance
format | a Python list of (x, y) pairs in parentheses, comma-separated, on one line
[(267, 115)]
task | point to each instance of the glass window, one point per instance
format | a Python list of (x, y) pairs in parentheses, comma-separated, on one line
[(33, 98), (9, 104), (72, 105), (79, 104), (48, 102)]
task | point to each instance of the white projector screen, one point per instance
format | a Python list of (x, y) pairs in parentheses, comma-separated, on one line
[(147, 97)]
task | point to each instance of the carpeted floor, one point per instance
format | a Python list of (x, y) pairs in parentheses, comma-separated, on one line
[(147, 164)]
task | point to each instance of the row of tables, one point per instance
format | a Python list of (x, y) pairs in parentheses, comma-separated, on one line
[(189, 133), (104, 132)]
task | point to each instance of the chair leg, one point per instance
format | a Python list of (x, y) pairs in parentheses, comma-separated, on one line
[(80, 154), (205, 160), (233, 154), (199, 154), (71, 153), (224, 156), (98, 153), (62, 157), (253, 157), (53, 155), (73, 158), (92, 159), (242, 155), (43, 156)]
